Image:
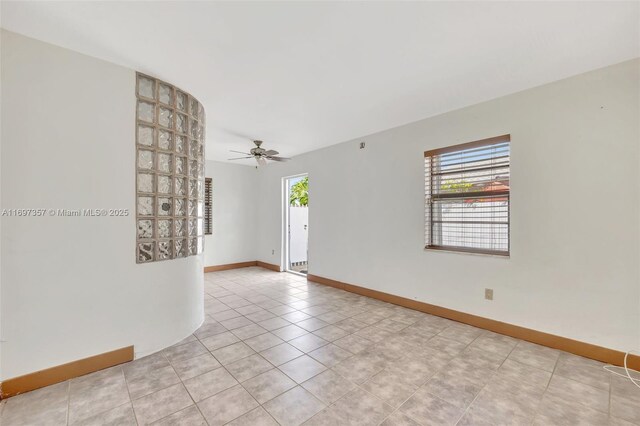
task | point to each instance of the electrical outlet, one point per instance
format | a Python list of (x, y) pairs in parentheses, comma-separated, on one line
[(488, 293)]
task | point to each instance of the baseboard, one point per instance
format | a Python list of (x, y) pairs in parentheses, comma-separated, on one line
[(60, 373), (230, 266), (268, 266), (576, 347), (242, 265)]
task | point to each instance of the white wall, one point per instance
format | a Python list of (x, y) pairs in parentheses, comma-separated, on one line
[(71, 287), (574, 267), (235, 216)]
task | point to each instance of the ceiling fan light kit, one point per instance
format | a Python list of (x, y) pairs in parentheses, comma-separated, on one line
[(261, 155)]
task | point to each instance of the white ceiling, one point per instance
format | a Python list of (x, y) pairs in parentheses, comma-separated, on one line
[(304, 75)]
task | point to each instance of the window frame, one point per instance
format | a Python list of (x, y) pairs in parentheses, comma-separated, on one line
[(429, 197)]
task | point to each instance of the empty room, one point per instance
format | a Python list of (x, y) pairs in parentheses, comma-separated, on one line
[(319, 213)]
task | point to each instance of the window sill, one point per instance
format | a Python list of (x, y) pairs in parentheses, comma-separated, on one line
[(463, 252)]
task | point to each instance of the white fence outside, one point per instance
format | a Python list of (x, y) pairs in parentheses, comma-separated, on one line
[(299, 234)]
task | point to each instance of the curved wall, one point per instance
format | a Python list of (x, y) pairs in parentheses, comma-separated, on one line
[(71, 287)]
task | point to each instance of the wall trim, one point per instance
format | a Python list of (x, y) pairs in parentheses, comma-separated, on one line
[(242, 265), (566, 344), (230, 266), (60, 373), (269, 266)]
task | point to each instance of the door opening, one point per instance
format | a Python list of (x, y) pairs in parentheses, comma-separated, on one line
[(296, 223)]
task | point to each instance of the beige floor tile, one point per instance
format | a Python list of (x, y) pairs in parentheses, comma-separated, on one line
[(535, 355), (294, 407), (428, 409), (268, 385), (161, 404), (280, 354), (142, 366), (195, 366), (152, 381), (188, 417), (248, 331), (233, 323), (569, 389), (289, 332), (398, 419), (302, 368), (308, 342), (46, 406), (249, 367), (331, 333), (330, 355), (456, 390), (359, 407), (353, 343), (263, 341), (232, 353), (256, 417), (390, 388), (274, 323), (209, 328), (227, 406), (96, 393), (220, 341), (119, 416), (328, 386), (184, 352), (208, 384), (295, 316)]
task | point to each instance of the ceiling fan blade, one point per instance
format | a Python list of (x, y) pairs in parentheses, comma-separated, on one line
[(271, 152), (239, 158), (238, 152), (281, 159), (261, 161)]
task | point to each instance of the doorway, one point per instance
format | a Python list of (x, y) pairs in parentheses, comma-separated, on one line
[(296, 223)]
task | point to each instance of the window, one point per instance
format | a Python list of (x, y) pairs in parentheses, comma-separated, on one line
[(208, 198), (467, 197)]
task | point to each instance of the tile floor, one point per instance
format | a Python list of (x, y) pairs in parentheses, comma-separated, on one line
[(275, 349)]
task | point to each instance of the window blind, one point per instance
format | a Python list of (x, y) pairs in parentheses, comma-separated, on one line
[(208, 200), (467, 192)]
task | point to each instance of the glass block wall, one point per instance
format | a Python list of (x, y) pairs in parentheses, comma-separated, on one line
[(169, 172)]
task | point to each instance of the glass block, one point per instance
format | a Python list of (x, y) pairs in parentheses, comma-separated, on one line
[(201, 115), (193, 188), (201, 152), (200, 189), (164, 184), (145, 251), (201, 170), (164, 228), (165, 94), (194, 108), (193, 129), (193, 169), (145, 206), (181, 123), (200, 226), (181, 101), (193, 208), (145, 159), (194, 149), (200, 133), (146, 111), (200, 245), (145, 228), (181, 165), (165, 250), (193, 227), (145, 135), (199, 209), (181, 144), (164, 206), (181, 248), (165, 118), (164, 162), (180, 186), (145, 182), (146, 87), (181, 228), (165, 140), (180, 207), (193, 246)]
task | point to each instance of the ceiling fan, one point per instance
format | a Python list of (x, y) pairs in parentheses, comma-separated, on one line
[(260, 154)]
